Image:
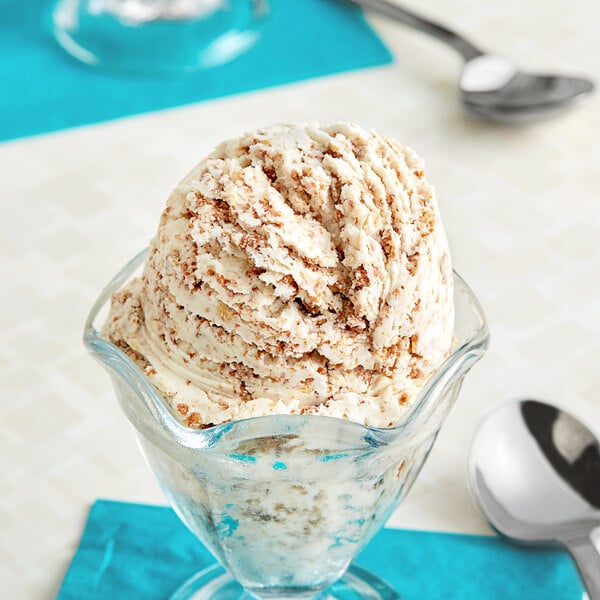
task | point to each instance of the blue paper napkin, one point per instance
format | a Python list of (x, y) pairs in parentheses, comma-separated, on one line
[(140, 552), (43, 89)]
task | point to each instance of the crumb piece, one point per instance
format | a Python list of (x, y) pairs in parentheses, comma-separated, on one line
[(194, 421), (361, 278), (245, 394), (414, 373)]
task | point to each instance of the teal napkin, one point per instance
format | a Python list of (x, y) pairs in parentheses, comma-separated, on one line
[(140, 552), (43, 89)]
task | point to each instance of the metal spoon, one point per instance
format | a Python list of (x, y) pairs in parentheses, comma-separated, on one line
[(492, 87), (534, 471)]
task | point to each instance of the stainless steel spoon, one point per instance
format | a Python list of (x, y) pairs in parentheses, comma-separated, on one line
[(534, 471), (492, 87)]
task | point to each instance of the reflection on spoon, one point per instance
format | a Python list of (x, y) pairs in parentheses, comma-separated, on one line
[(534, 471), (568, 446)]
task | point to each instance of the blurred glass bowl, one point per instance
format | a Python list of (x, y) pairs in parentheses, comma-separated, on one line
[(157, 36)]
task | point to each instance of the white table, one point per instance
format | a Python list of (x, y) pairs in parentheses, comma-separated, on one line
[(521, 208)]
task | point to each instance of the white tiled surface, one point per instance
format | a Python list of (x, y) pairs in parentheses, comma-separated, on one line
[(522, 210)]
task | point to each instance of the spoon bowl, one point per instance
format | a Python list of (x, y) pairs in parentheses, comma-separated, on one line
[(534, 471), (492, 87)]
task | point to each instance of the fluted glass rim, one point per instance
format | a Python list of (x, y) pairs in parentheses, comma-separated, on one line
[(468, 350)]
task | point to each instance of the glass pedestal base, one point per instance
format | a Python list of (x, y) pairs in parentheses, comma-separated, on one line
[(215, 583)]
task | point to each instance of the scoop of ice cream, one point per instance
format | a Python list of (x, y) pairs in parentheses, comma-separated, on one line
[(297, 269)]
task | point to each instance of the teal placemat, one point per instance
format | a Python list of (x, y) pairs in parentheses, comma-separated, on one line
[(42, 89), (143, 552)]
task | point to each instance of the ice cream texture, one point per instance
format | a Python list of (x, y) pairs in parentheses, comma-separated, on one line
[(297, 269)]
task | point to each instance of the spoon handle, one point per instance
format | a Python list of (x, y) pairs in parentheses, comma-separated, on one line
[(587, 559), (399, 13)]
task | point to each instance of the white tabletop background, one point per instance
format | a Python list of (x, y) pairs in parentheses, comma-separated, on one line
[(521, 208)]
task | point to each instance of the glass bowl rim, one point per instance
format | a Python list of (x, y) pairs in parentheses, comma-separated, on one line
[(107, 352)]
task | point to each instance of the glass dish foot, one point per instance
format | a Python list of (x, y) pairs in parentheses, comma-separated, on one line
[(215, 583)]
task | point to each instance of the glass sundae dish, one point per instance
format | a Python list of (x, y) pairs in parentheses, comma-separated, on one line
[(286, 499)]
